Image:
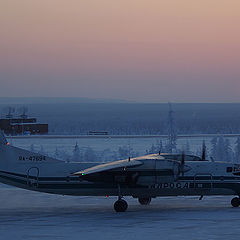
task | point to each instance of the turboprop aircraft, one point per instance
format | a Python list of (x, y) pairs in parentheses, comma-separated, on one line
[(144, 177)]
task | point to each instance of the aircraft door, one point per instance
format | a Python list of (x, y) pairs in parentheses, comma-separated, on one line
[(32, 177), (203, 183)]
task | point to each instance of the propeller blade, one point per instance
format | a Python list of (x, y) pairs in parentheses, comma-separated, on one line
[(182, 163), (203, 151), (183, 158)]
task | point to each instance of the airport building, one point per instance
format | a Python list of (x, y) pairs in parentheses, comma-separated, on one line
[(22, 125)]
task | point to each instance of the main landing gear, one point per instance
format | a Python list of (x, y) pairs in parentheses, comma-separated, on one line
[(235, 202), (121, 205), (144, 201)]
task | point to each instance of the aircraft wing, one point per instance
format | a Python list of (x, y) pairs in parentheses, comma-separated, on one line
[(108, 166)]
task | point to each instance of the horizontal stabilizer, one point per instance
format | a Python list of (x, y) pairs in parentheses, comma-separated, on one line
[(108, 166)]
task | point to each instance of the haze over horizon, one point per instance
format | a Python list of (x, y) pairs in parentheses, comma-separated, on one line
[(137, 50)]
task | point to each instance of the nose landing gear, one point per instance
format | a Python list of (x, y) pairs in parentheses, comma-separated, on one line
[(120, 205), (235, 202)]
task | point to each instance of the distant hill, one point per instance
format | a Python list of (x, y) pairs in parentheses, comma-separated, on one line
[(79, 116), (52, 100)]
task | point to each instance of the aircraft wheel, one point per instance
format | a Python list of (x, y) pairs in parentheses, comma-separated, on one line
[(144, 201), (120, 205), (235, 202)]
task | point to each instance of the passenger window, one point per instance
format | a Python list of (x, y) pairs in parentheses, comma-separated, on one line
[(229, 169)]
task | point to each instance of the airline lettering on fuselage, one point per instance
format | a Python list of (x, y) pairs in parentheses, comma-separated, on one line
[(176, 185)]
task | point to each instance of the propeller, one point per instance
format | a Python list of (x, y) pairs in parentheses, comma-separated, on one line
[(203, 151), (183, 158), (182, 163), (182, 167)]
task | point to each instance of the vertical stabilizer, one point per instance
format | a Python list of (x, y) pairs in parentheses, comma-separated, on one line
[(3, 140)]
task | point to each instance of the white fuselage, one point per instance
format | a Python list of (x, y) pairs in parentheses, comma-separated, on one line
[(32, 171)]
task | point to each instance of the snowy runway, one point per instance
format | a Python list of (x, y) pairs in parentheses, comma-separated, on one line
[(32, 215)]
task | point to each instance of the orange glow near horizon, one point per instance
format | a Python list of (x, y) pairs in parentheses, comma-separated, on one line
[(111, 47)]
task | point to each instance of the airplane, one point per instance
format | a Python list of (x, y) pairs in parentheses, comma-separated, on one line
[(144, 177)]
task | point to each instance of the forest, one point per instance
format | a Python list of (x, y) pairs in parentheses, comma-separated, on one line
[(219, 149)]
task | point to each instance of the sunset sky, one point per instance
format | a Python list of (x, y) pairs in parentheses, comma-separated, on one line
[(140, 50)]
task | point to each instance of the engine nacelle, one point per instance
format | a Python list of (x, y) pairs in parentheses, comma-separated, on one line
[(156, 171)]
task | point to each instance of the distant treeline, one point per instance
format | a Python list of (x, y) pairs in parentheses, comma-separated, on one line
[(220, 149), (131, 118)]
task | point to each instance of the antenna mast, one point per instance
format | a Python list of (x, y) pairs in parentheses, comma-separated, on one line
[(172, 136)]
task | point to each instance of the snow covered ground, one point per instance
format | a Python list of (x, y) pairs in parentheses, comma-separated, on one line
[(31, 215)]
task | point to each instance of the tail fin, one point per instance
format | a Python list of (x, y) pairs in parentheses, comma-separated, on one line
[(12, 155), (3, 140)]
